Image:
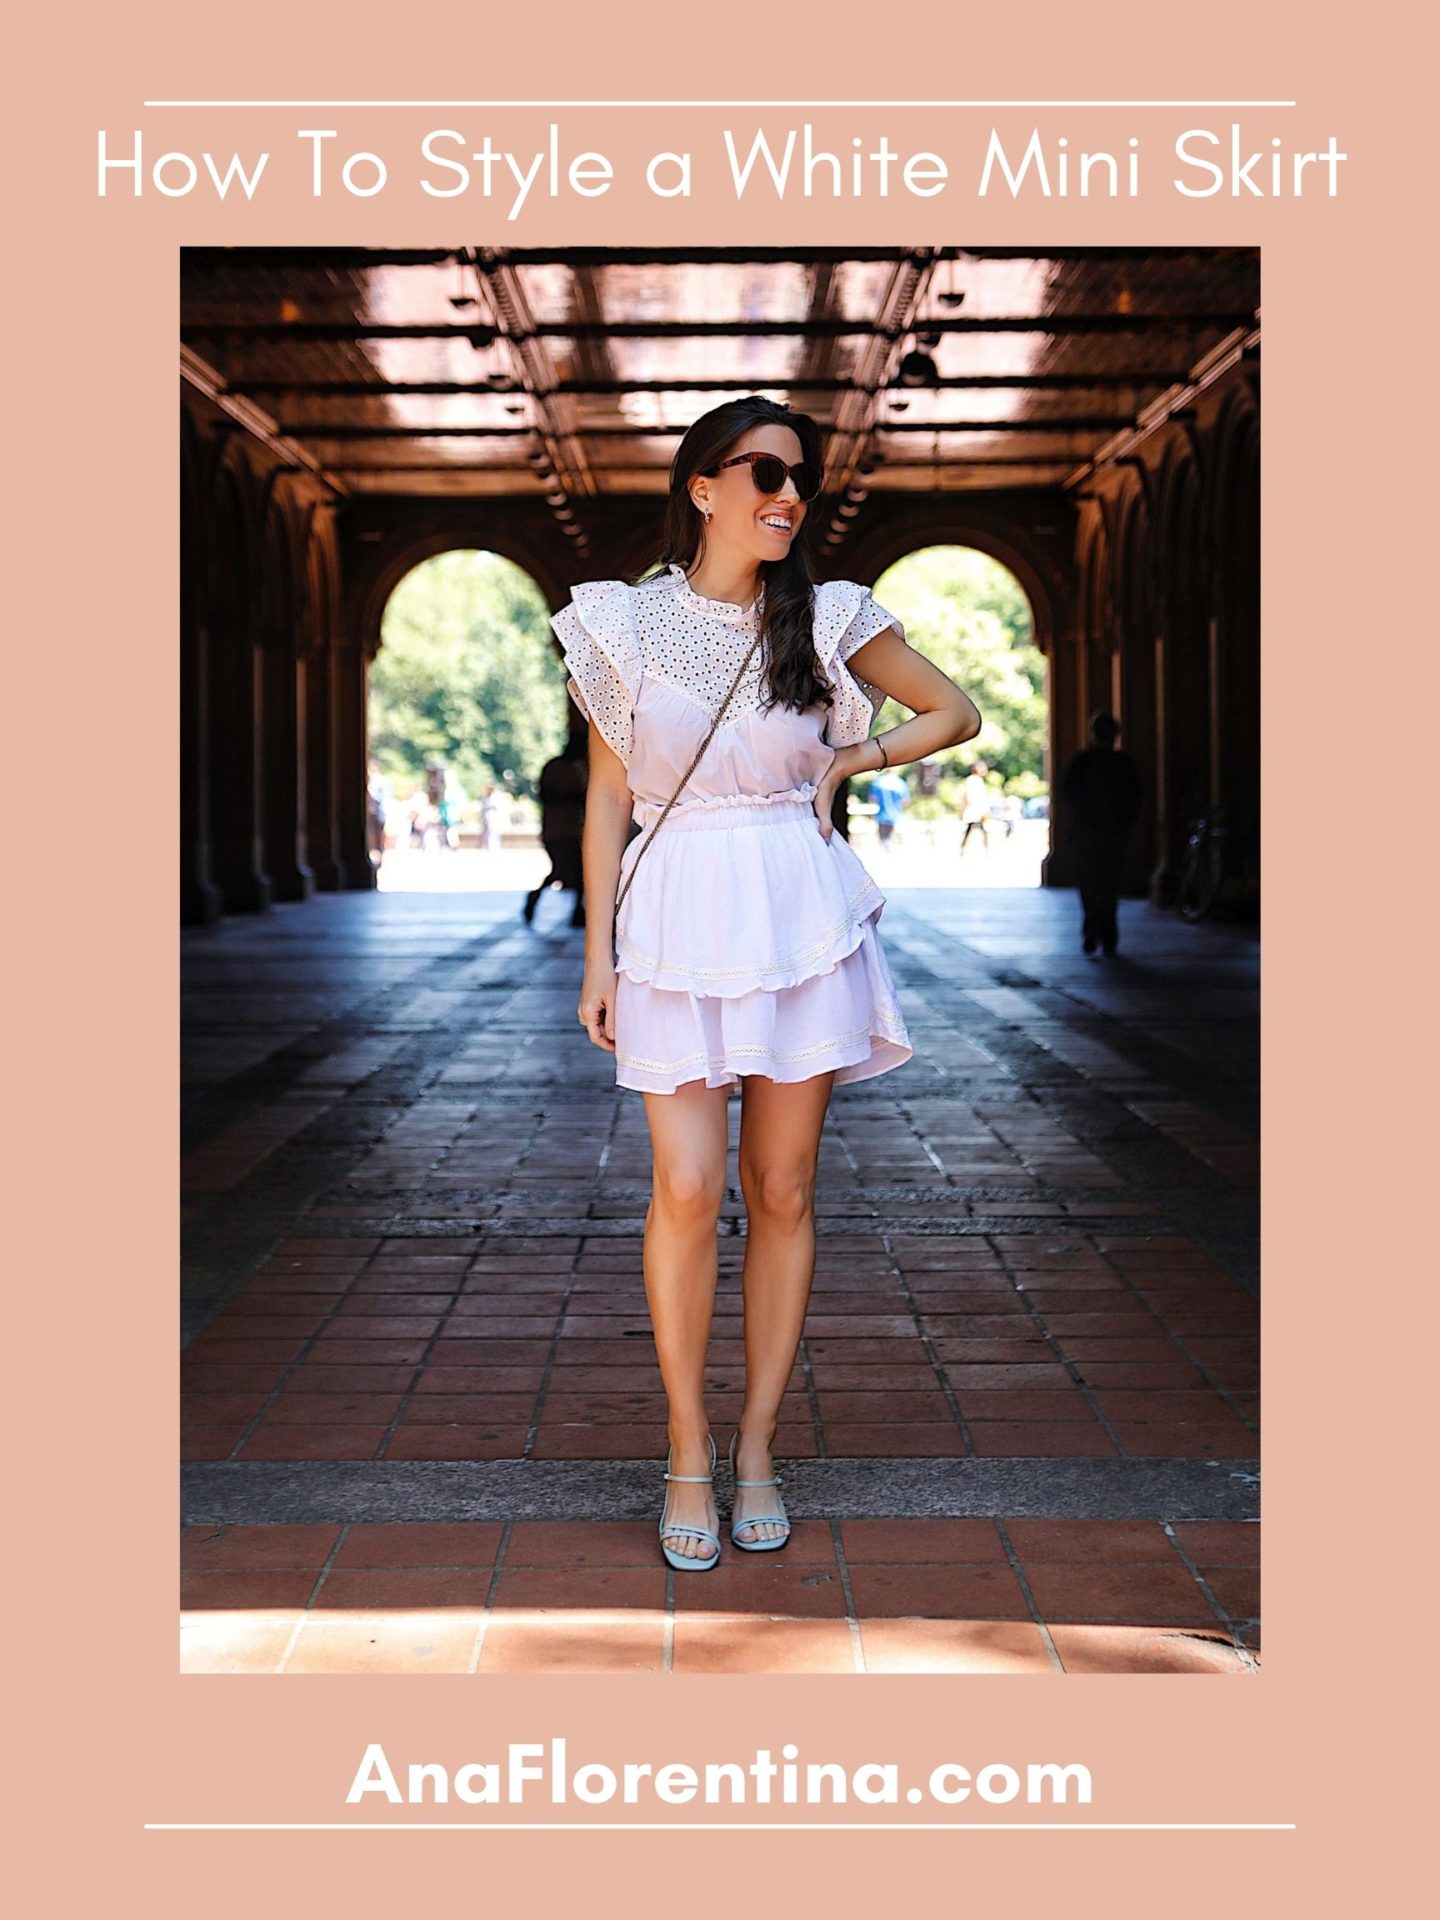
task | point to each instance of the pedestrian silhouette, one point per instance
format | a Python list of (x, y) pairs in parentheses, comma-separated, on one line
[(1100, 789), (562, 819), (976, 799), (891, 797)]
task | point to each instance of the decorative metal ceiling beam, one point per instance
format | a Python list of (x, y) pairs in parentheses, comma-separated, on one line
[(875, 367), (199, 260), (511, 308), (459, 468), (564, 468), (1173, 405), (1059, 423), (1056, 324), (204, 379), (203, 260), (588, 258), (838, 256), (1036, 382), (338, 430)]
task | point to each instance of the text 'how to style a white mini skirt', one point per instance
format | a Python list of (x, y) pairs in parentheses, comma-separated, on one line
[(748, 942)]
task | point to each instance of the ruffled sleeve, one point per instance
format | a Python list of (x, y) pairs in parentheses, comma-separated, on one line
[(601, 645), (846, 616)]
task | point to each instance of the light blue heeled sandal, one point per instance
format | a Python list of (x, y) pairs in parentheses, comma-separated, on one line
[(685, 1562), (753, 1519)]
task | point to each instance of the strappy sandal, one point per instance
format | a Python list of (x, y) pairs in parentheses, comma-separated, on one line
[(753, 1519), (685, 1562)]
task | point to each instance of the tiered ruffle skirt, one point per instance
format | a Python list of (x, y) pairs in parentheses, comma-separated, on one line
[(748, 943)]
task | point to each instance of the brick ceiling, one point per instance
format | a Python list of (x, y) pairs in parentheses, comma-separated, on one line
[(570, 374)]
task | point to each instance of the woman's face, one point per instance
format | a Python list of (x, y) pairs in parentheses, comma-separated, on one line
[(758, 525)]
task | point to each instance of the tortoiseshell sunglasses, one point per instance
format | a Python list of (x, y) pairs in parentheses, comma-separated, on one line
[(769, 473)]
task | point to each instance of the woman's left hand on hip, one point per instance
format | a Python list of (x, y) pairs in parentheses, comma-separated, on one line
[(825, 798)]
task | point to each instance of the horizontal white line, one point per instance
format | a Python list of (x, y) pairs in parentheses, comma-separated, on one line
[(719, 103), (719, 1826)]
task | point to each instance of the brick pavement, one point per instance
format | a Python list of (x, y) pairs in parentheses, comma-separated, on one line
[(423, 1424)]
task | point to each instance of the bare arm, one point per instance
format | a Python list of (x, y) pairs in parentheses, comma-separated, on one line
[(608, 809), (944, 715)]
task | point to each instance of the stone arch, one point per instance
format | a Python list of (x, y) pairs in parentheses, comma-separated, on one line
[(1237, 425), (320, 576), (929, 538), (374, 572), (380, 577), (277, 600), (390, 578), (1135, 599), (1049, 584), (951, 526)]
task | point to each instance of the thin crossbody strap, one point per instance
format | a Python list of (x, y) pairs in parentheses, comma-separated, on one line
[(734, 684)]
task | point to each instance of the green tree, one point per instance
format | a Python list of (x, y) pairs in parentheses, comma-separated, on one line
[(466, 673), (969, 615)]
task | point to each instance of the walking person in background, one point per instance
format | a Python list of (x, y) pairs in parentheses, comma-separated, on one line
[(419, 811), (891, 797), (562, 822), (976, 799), (492, 817), (378, 811), (446, 818), (453, 808), (1100, 789)]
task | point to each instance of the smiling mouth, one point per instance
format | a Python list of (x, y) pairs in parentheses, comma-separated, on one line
[(777, 522)]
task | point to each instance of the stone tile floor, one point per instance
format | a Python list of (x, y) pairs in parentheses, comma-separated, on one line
[(422, 1422)]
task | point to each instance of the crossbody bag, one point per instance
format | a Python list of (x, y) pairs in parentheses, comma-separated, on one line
[(724, 704)]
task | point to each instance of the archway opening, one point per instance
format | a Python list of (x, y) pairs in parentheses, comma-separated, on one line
[(977, 815), (464, 711)]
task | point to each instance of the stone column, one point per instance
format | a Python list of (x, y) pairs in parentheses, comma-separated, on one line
[(1066, 690), (349, 683), (322, 840), (1184, 656), (1138, 714), (1161, 871), (234, 787), (199, 896), (283, 769)]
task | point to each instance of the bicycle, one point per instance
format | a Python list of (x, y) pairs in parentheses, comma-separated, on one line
[(1202, 875)]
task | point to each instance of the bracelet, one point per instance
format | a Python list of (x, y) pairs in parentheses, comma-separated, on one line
[(884, 757)]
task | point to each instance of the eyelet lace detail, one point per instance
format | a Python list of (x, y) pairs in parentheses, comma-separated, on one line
[(614, 635), (696, 646)]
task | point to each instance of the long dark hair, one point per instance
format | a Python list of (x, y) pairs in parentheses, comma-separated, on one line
[(792, 673)]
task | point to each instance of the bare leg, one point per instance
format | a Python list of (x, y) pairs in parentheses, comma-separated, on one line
[(780, 1126), (689, 1136)]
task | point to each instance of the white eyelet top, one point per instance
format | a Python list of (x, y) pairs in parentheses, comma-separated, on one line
[(620, 640)]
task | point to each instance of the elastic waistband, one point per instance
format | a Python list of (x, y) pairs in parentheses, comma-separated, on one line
[(763, 810)]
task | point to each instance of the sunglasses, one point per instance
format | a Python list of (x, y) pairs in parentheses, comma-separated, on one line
[(769, 472)]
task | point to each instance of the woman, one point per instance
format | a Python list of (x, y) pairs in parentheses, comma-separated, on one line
[(747, 948)]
